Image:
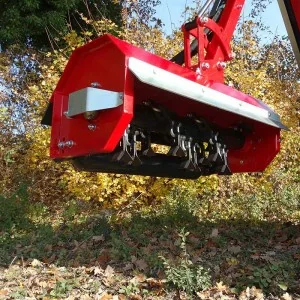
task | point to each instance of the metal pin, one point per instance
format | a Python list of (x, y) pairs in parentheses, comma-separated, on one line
[(205, 66), (221, 65), (61, 145), (95, 85), (92, 127), (204, 20), (69, 144)]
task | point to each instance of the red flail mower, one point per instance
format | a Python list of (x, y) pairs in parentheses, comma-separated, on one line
[(115, 100)]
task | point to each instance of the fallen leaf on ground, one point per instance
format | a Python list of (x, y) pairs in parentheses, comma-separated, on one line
[(221, 287), (4, 292), (214, 233), (141, 264), (138, 278), (135, 297), (98, 238), (128, 267), (109, 271), (286, 296), (105, 296), (103, 259), (36, 263), (98, 271), (234, 249), (283, 238)]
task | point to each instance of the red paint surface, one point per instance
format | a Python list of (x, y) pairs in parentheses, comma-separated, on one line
[(105, 60), (296, 9)]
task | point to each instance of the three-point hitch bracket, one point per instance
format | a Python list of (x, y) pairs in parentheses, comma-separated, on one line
[(209, 38)]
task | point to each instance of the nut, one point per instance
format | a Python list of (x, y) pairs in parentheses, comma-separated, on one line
[(221, 65), (92, 127), (95, 84), (69, 144), (205, 66)]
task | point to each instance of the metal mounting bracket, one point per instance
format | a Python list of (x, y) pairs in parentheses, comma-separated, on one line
[(92, 99)]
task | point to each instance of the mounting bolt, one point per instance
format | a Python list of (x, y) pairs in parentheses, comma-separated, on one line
[(92, 127), (198, 72), (221, 65), (69, 144), (95, 85), (61, 145), (189, 115), (240, 6), (241, 162), (205, 66), (204, 20)]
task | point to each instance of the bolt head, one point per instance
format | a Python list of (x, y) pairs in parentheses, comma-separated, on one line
[(95, 85), (204, 20), (92, 127), (69, 144), (205, 66), (61, 145), (91, 115), (221, 65)]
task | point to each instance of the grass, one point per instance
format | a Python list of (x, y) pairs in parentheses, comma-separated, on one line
[(78, 246)]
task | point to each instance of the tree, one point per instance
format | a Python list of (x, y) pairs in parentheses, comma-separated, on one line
[(39, 22)]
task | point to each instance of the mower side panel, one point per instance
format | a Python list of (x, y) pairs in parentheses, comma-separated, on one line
[(104, 65)]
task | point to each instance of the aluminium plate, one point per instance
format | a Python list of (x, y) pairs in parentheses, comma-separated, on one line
[(92, 99), (176, 84)]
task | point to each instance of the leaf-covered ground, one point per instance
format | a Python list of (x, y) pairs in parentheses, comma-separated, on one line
[(72, 255)]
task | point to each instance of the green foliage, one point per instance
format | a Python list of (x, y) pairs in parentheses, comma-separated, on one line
[(62, 288), (274, 277), (120, 249), (71, 210), (129, 290), (179, 207), (14, 210), (185, 275), (42, 22), (266, 255)]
